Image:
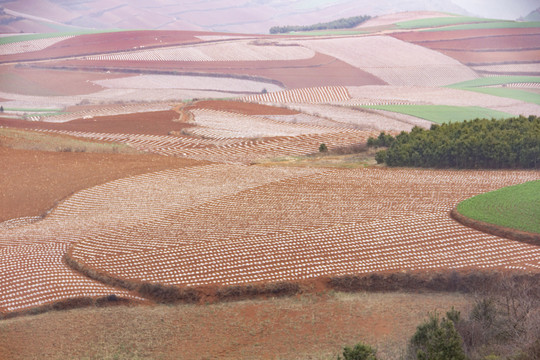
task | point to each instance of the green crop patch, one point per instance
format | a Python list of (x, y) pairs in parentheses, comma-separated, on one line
[(443, 113), (481, 85), (441, 21), (490, 25), (516, 207), (29, 37), (495, 80)]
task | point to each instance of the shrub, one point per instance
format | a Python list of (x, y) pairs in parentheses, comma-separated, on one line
[(359, 352), (437, 339), (323, 148)]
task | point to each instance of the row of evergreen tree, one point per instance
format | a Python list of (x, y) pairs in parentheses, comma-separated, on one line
[(344, 23), (479, 143)]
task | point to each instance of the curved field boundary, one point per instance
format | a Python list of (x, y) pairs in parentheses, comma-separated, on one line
[(229, 51), (33, 273), (103, 111), (29, 45), (223, 125), (394, 61), (332, 223), (230, 150), (324, 94), (497, 230)]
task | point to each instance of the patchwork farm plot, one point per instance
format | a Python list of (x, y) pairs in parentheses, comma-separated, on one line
[(227, 221)]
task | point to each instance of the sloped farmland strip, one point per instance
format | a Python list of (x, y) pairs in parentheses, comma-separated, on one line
[(332, 223), (394, 61)]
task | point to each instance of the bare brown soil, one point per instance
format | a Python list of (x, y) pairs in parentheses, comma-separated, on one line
[(242, 107), (494, 57), (303, 327), (150, 123), (38, 180), (110, 42), (32, 81), (320, 70), (512, 42), (417, 36)]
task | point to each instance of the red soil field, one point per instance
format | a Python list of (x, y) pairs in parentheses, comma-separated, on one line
[(150, 123), (321, 70), (418, 36), (494, 57), (110, 42), (37, 180), (32, 81), (513, 42), (241, 107)]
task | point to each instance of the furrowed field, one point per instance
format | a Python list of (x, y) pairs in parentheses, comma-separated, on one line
[(228, 176)]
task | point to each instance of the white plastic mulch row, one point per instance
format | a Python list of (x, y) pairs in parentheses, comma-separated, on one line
[(29, 45), (325, 94), (228, 51), (331, 223), (234, 149), (32, 270)]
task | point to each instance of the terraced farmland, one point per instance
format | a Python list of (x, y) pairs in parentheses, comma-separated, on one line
[(230, 224), (309, 95), (290, 230), (227, 221), (394, 61), (230, 51), (19, 47)]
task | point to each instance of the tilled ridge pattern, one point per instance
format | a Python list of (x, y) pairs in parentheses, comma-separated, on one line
[(331, 223), (240, 150), (32, 270)]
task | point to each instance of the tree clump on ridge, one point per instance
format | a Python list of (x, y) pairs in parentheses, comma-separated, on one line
[(479, 143), (344, 23)]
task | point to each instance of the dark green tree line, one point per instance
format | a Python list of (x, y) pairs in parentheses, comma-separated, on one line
[(479, 143), (345, 23)]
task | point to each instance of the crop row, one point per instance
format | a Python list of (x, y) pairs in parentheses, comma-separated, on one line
[(29, 45), (324, 94), (102, 111), (220, 124), (230, 51), (231, 150), (331, 223), (394, 61)]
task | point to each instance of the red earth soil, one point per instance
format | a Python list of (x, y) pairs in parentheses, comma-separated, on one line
[(112, 42), (494, 57), (416, 36), (513, 42), (320, 70), (242, 108), (149, 123), (40, 82), (38, 180)]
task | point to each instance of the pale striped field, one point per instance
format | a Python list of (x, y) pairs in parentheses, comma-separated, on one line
[(223, 51), (20, 47)]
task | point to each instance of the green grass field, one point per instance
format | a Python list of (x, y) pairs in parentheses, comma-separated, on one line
[(443, 113), (28, 37), (328, 32), (490, 25), (495, 80), (478, 85), (516, 207), (441, 21)]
